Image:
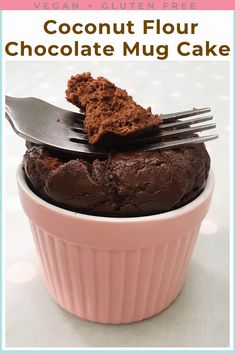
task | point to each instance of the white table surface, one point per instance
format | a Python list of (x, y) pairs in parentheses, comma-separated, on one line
[(200, 315)]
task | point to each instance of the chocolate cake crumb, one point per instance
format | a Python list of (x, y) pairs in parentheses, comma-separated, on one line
[(108, 110)]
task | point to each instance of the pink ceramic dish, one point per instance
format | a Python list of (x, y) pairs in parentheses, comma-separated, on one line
[(114, 270)]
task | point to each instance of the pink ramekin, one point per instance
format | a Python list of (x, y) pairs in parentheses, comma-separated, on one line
[(114, 270)]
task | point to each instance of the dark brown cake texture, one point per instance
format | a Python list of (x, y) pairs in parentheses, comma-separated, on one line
[(124, 184), (108, 110)]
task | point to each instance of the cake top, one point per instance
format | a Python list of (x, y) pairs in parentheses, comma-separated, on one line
[(109, 110)]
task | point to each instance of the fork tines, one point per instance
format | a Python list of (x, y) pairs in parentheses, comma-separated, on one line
[(185, 114), (175, 131)]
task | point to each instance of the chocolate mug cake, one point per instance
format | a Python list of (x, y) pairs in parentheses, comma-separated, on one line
[(115, 235)]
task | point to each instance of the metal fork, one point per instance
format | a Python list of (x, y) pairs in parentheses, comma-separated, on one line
[(43, 123)]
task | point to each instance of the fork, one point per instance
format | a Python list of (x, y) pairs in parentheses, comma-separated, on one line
[(43, 123)]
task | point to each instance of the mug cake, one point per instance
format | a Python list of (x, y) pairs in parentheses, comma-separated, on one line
[(115, 235)]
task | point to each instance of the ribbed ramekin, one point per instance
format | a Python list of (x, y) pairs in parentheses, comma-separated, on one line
[(114, 270)]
